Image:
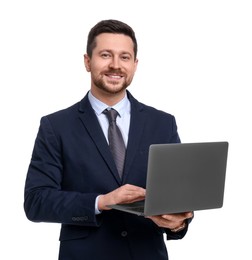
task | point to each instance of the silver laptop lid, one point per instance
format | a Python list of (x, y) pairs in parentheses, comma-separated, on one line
[(185, 177)]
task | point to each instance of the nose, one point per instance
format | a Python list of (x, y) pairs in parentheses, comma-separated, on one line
[(115, 63)]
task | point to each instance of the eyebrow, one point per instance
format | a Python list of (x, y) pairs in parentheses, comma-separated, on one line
[(111, 51)]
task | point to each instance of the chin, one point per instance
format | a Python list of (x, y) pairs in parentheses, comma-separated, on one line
[(115, 89), (111, 88)]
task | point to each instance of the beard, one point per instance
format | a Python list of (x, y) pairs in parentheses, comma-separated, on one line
[(112, 87)]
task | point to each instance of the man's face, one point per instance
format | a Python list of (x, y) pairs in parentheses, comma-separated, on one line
[(112, 65)]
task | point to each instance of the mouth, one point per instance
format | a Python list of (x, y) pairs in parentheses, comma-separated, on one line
[(114, 76)]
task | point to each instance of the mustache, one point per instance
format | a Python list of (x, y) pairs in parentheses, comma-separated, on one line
[(115, 71)]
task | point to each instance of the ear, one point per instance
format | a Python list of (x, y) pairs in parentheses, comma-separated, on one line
[(87, 62), (136, 63)]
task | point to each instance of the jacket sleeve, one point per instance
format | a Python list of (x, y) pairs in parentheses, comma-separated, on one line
[(177, 235), (44, 200)]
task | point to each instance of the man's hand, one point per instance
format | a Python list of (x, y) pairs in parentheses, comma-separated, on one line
[(171, 221), (125, 194)]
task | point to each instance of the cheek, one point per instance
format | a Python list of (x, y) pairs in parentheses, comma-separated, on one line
[(131, 73), (98, 67), (131, 69)]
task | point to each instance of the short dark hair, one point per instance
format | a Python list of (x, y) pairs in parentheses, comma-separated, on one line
[(110, 26)]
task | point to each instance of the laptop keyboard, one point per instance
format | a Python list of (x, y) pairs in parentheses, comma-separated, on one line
[(136, 206), (138, 209)]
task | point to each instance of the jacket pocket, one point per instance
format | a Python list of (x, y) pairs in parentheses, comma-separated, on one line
[(69, 232)]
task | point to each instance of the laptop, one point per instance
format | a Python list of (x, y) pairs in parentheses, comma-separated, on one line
[(182, 177)]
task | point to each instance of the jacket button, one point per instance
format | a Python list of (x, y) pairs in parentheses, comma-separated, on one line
[(124, 233)]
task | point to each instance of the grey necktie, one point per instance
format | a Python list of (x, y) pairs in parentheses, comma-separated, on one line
[(116, 143)]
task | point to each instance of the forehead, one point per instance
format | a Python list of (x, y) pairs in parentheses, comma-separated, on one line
[(114, 42)]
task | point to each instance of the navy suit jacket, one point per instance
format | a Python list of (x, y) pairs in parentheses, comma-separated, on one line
[(71, 165)]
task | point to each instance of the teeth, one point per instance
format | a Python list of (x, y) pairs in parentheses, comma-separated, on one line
[(115, 77)]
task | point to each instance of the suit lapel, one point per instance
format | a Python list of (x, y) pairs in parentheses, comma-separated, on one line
[(91, 123)]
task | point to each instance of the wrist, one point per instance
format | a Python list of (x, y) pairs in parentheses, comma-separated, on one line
[(102, 204), (179, 228)]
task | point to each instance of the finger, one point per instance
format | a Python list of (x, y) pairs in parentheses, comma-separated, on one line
[(132, 197), (128, 194), (189, 214), (178, 217), (133, 188), (159, 221)]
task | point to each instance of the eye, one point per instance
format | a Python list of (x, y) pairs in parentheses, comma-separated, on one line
[(125, 57), (105, 55)]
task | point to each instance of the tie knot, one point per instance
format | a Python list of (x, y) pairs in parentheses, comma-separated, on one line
[(111, 114)]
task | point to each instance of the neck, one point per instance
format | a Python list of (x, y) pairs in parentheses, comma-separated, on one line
[(108, 98)]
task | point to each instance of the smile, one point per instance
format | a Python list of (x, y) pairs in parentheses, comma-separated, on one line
[(112, 76)]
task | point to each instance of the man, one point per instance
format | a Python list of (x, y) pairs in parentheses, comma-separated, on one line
[(73, 175)]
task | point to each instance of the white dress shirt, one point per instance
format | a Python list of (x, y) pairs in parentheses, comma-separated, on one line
[(123, 120)]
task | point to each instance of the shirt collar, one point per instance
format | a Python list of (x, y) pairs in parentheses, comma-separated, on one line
[(98, 106)]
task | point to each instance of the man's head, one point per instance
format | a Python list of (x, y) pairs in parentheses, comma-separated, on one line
[(111, 59)]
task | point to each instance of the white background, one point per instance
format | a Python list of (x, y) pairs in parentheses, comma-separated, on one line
[(195, 61)]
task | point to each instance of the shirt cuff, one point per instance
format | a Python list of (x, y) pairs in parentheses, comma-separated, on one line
[(97, 211)]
